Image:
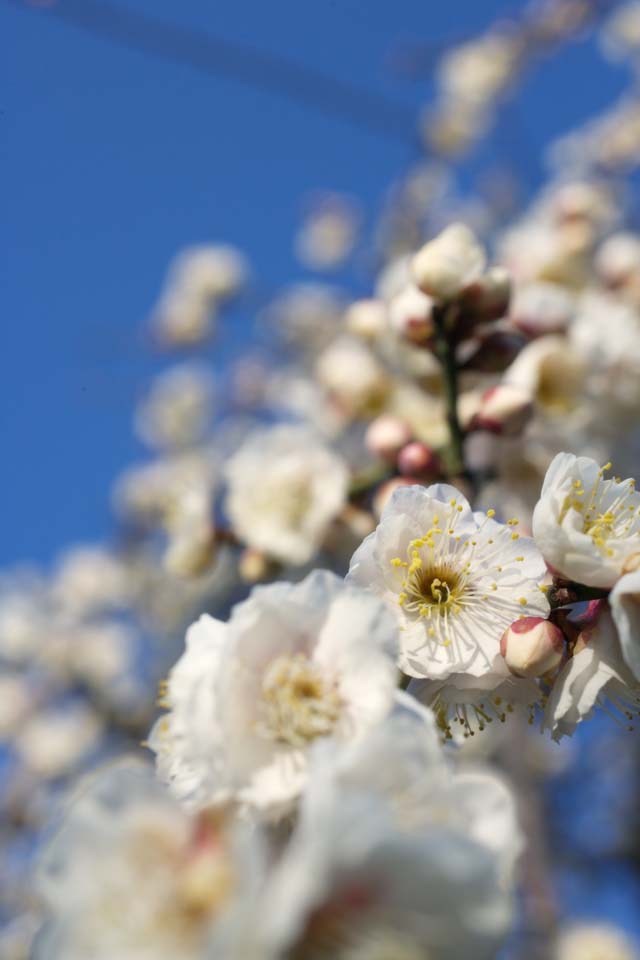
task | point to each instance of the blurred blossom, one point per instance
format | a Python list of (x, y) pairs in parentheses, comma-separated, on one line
[(594, 941), (177, 410), (302, 487), (199, 280), (329, 232)]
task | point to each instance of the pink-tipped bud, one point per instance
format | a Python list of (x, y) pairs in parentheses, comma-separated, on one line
[(387, 435), (418, 460), (532, 646), (504, 409), (411, 315), (385, 491)]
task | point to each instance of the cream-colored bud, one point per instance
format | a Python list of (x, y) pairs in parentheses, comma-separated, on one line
[(532, 646), (448, 264), (411, 315), (366, 319), (504, 409), (387, 435), (190, 553)]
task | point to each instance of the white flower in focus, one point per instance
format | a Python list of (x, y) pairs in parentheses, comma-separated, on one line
[(295, 663), (129, 876), (178, 409), (448, 264), (456, 579), (625, 609), (594, 941), (284, 489), (587, 527), (595, 676)]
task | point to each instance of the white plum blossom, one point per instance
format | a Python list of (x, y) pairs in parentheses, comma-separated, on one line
[(594, 941), (455, 579), (595, 676), (449, 263), (358, 881), (177, 410), (625, 609), (295, 663), (129, 875), (284, 489), (586, 526)]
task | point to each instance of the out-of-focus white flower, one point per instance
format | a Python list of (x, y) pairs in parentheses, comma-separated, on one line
[(542, 308), (353, 376), (551, 372), (504, 409), (54, 741), (625, 608), (130, 876), (411, 315), (284, 489), (620, 36), (366, 319), (329, 232), (455, 579), (354, 884), (387, 435), (448, 264), (402, 761), (199, 279), (306, 315), (104, 653), (477, 71), (587, 527), (177, 411), (247, 699), (594, 941), (89, 580), (154, 493), (596, 675), (16, 703), (618, 259), (23, 618), (606, 333)]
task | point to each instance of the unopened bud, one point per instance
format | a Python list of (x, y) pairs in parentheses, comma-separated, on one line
[(448, 264), (504, 409), (366, 319), (411, 315), (385, 492), (387, 435), (491, 353), (532, 646), (418, 460), (488, 298)]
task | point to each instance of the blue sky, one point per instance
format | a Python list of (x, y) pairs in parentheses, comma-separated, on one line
[(112, 159)]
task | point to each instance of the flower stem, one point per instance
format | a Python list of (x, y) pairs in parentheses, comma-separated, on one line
[(445, 317)]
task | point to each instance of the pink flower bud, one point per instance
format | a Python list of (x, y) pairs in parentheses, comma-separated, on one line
[(532, 646), (411, 315), (418, 460), (492, 352), (387, 435), (504, 409)]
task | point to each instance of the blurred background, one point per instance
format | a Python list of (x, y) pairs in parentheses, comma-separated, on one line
[(130, 131)]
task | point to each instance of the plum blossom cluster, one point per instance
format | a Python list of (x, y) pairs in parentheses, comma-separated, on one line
[(393, 538)]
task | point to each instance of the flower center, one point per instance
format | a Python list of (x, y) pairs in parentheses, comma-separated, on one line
[(299, 702), (609, 509)]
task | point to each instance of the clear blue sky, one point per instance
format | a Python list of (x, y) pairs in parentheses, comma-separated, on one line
[(112, 159)]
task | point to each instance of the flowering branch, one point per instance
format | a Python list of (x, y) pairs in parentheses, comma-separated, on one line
[(444, 318)]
